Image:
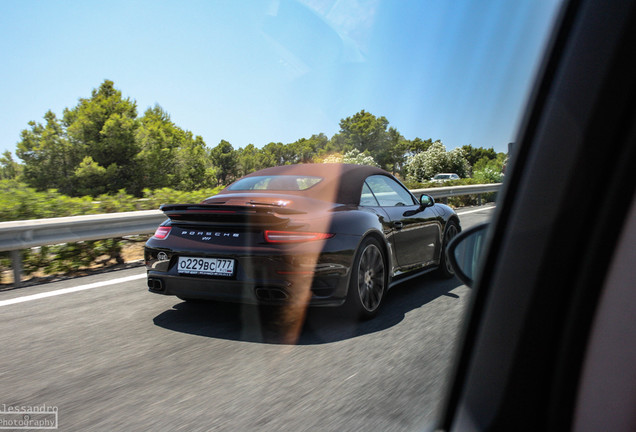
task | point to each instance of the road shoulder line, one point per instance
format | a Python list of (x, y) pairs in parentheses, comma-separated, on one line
[(71, 290)]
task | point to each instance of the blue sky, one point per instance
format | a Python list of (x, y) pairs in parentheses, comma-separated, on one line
[(275, 71)]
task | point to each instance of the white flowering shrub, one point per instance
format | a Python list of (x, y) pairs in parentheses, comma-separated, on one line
[(422, 166), (355, 157), (332, 158)]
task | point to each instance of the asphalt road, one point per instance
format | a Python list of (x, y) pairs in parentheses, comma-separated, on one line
[(109, 356)]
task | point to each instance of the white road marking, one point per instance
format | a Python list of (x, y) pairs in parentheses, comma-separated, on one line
[(71, 290), (475, 211)]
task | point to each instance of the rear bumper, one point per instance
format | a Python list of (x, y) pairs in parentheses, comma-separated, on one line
[(324, 290), (314, 272)]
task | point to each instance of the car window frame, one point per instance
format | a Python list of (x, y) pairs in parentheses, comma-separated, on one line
[(521, 349)]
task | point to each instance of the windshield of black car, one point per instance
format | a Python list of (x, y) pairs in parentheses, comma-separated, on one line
[(276, 182)]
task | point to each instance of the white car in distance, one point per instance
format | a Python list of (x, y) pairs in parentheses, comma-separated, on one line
[(442, 177)]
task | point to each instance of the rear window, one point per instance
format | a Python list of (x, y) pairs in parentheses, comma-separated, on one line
[(278, 183)]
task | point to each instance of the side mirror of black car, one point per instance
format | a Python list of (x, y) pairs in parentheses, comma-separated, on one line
[(464, 252), (426, 201)]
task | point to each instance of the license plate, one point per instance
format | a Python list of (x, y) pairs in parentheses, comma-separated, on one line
[(206, 266)]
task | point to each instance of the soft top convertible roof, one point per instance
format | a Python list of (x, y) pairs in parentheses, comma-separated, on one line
[(341, 183)]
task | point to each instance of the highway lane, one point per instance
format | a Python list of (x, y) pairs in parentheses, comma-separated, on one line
[(115, 357)]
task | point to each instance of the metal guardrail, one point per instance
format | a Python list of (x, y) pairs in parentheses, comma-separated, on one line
[(449, 191), (41, 232), (19, 235)]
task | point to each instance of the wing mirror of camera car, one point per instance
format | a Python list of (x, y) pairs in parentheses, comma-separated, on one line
[(465, 255)]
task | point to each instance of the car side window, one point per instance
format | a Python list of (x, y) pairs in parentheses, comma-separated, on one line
[(366, 197), (388, 192)]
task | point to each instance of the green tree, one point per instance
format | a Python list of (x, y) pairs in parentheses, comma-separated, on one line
[(193, 162), (90, 178), (104, 126), (336, 144), (276, 154), (418, 145), (364, 131), (158, 139), (49, 157), (248, 158), (225, 160), (393, 154), (170, 156), (488, 170), (367, 133), (473, 154), (9, 169), (100, 146), (306, 149)]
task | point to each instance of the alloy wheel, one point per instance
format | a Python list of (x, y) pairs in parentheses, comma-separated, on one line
[(371, 278)]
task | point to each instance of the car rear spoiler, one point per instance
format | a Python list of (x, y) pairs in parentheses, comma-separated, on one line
[(227, 215)]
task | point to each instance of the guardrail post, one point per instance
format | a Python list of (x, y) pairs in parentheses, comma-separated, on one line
[(479, 199), (16, 263)]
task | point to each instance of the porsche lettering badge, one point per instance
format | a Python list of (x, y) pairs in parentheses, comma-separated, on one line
[(208, 235)]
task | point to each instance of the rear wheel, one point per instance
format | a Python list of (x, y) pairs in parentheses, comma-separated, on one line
[(367, 285), (445, 270)]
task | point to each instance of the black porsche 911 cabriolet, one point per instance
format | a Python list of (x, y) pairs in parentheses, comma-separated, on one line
[(316, 234)]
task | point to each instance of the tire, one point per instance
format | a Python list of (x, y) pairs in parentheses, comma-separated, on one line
[(367, 285), (445, 270)]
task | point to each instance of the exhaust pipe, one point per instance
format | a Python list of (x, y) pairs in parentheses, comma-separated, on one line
[(155, 285), (271, 294)]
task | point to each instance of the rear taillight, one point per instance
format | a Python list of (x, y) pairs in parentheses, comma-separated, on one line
[(162, 232), (294, 236)]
